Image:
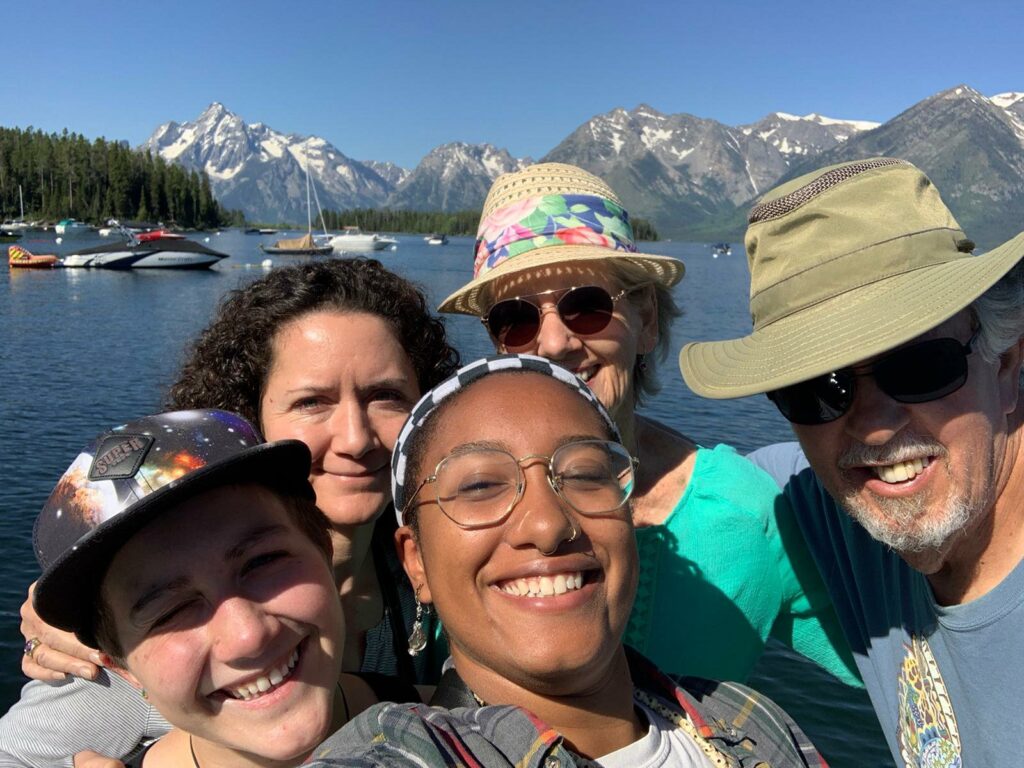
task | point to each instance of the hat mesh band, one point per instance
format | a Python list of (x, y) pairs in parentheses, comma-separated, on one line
[(773, 209)]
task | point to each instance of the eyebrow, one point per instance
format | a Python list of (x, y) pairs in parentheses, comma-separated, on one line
[(390, 382), (155, 591)]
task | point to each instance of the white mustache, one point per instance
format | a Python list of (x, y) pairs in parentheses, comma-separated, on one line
[(895, 451)]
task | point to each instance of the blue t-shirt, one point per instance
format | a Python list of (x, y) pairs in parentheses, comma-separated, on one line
[(946, 682)]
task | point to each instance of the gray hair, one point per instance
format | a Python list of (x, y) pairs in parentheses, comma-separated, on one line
[(999, 313), (629, 276)]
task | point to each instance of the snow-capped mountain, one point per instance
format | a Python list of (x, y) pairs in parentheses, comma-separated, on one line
[(454, 177), (970, 145), (1012, 102), (259, 170), (679, 168), (391, 173), (691, 176)]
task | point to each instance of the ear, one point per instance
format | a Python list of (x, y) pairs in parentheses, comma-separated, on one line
[(111, 664), (647, 307), (1009, 375), (411, 557)]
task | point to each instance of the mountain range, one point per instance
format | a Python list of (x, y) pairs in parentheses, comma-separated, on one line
[(693, 177)]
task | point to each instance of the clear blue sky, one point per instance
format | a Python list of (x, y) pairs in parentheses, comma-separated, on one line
[(391, 79)]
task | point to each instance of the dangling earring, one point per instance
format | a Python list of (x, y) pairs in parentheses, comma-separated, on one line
[(417, 638), (641, 361), (145, 695)]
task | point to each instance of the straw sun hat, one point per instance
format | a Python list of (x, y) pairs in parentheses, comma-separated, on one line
[(845, 263), (547, 214)]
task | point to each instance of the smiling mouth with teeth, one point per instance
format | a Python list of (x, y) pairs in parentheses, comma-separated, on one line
[(586, 374), (266, 682), (901, 471), (543, 586)]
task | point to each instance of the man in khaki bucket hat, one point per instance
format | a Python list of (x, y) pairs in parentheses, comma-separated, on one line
[(896, 354)]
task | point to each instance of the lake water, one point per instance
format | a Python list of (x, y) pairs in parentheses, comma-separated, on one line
[(81, 350)]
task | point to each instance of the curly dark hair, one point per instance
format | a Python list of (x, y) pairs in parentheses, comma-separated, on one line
[(228, 364)]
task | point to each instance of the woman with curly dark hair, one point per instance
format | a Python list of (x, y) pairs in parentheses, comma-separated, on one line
[(334, 353)]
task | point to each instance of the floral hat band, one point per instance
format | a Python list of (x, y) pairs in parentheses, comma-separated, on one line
[(542, 221)]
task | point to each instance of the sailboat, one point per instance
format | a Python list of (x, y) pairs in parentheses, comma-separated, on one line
[(20, 224), (307, 245)]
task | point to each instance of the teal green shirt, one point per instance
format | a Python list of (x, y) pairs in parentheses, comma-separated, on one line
[(727, 569)]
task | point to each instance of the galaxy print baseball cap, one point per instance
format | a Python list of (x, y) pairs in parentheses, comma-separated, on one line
[(127, 477)]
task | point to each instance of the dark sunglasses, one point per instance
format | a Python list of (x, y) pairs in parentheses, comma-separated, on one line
[(917, 373), (585, 310)]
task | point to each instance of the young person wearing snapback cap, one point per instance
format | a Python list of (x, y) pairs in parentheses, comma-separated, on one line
[(896, 354), (194, 556)]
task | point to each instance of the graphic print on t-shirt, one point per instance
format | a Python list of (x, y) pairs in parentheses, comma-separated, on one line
[(927, 730)]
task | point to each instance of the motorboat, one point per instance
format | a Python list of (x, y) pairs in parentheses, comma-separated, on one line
[(721, 249), (260, 231), (69, 227), (158, 253), (20, 258), (9, 235), (354, 239), (438, 239)]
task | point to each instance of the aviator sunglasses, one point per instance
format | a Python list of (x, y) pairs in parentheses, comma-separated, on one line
[(584, 310), (918, 373)]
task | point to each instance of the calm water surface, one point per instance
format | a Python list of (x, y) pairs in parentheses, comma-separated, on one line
[(82, 350)]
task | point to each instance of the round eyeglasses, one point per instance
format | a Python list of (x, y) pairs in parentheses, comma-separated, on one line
[(478, 486), (584, 310)]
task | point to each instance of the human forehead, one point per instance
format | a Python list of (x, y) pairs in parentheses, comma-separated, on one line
[(516, 410), (552, 278), (234, 518), (340, 335)]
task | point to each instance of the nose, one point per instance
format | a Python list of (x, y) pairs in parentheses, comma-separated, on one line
[(874, 417), (554, 339), (351, 430), (241, 629), (540, 519)]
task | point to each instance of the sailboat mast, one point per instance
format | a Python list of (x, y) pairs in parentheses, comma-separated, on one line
[(21, 201), (309, 210)]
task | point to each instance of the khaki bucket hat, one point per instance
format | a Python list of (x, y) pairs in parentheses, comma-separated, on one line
[(845, 263), (551, 213)]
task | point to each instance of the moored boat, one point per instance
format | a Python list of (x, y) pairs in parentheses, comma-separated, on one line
[(68, 227), (438, 239), (9, 235), (298, 246), (162, 253), (354, 239), (18, 257)]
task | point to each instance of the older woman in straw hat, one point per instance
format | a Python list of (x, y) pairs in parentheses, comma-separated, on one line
[(557, 273)]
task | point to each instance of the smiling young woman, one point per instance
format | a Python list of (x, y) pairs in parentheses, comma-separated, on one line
[(518, 532)]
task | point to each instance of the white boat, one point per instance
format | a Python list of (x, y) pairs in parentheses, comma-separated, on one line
[(440, 239), (18, 225), (354, 239), (155, 253), (68, 227)]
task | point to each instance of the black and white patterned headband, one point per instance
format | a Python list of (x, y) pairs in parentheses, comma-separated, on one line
[(465, 376)]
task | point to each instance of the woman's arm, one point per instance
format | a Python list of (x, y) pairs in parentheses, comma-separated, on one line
[(51, 722)]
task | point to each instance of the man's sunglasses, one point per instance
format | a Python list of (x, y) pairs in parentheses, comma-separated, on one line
[(917, 373), (584, 310)]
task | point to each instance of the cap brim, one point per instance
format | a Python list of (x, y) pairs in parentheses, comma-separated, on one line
[(844, 330), (467, 300), (65, 595)]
